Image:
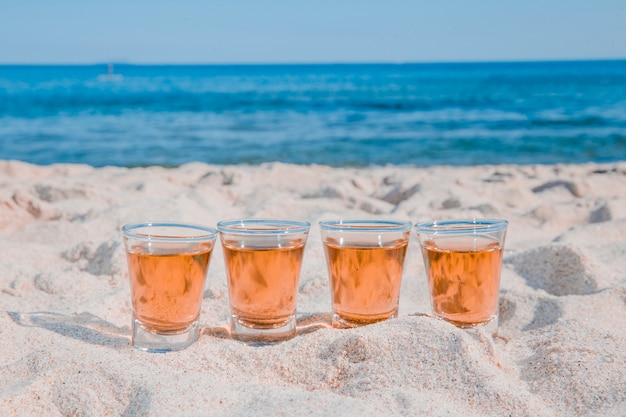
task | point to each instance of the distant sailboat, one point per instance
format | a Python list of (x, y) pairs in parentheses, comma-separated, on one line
[(110, 76)]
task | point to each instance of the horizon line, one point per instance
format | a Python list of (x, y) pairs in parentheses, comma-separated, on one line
[(288, 63)]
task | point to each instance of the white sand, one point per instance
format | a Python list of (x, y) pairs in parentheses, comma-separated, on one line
[(65, 302)]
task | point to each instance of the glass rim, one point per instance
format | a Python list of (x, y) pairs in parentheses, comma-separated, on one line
[(365, 225), (263, 226), (130, 230), (462, 226)]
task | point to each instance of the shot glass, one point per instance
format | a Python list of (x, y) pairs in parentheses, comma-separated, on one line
[(463, 260), (263, 260), (365, 260), (168, 264)]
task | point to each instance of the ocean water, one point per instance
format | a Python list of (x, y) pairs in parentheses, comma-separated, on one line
[(340, 115)]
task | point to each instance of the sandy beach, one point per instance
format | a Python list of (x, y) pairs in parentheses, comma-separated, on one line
[(66, 308)]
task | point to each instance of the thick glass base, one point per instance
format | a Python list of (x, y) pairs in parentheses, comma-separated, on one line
[(342, 321), (150, 341), (490, 326), (259, 335)]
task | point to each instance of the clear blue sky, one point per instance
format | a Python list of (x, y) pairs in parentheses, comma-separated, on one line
[(293, 31)]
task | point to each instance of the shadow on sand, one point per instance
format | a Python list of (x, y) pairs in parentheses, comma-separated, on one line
[(84, 327), (89, 328), (305, 323)]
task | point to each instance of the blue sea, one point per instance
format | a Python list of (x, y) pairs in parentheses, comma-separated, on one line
[(339, 115)]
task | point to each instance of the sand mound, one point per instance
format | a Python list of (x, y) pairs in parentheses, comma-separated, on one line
[(557, 269)]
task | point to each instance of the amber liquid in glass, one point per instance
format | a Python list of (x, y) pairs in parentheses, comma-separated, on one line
[(263, 282), (464, 278), (365, 281), (167, 289)]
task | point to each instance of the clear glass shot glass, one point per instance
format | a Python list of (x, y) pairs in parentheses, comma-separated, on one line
[(263, 259), (365, 260), (168, 264), (463, 260)]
